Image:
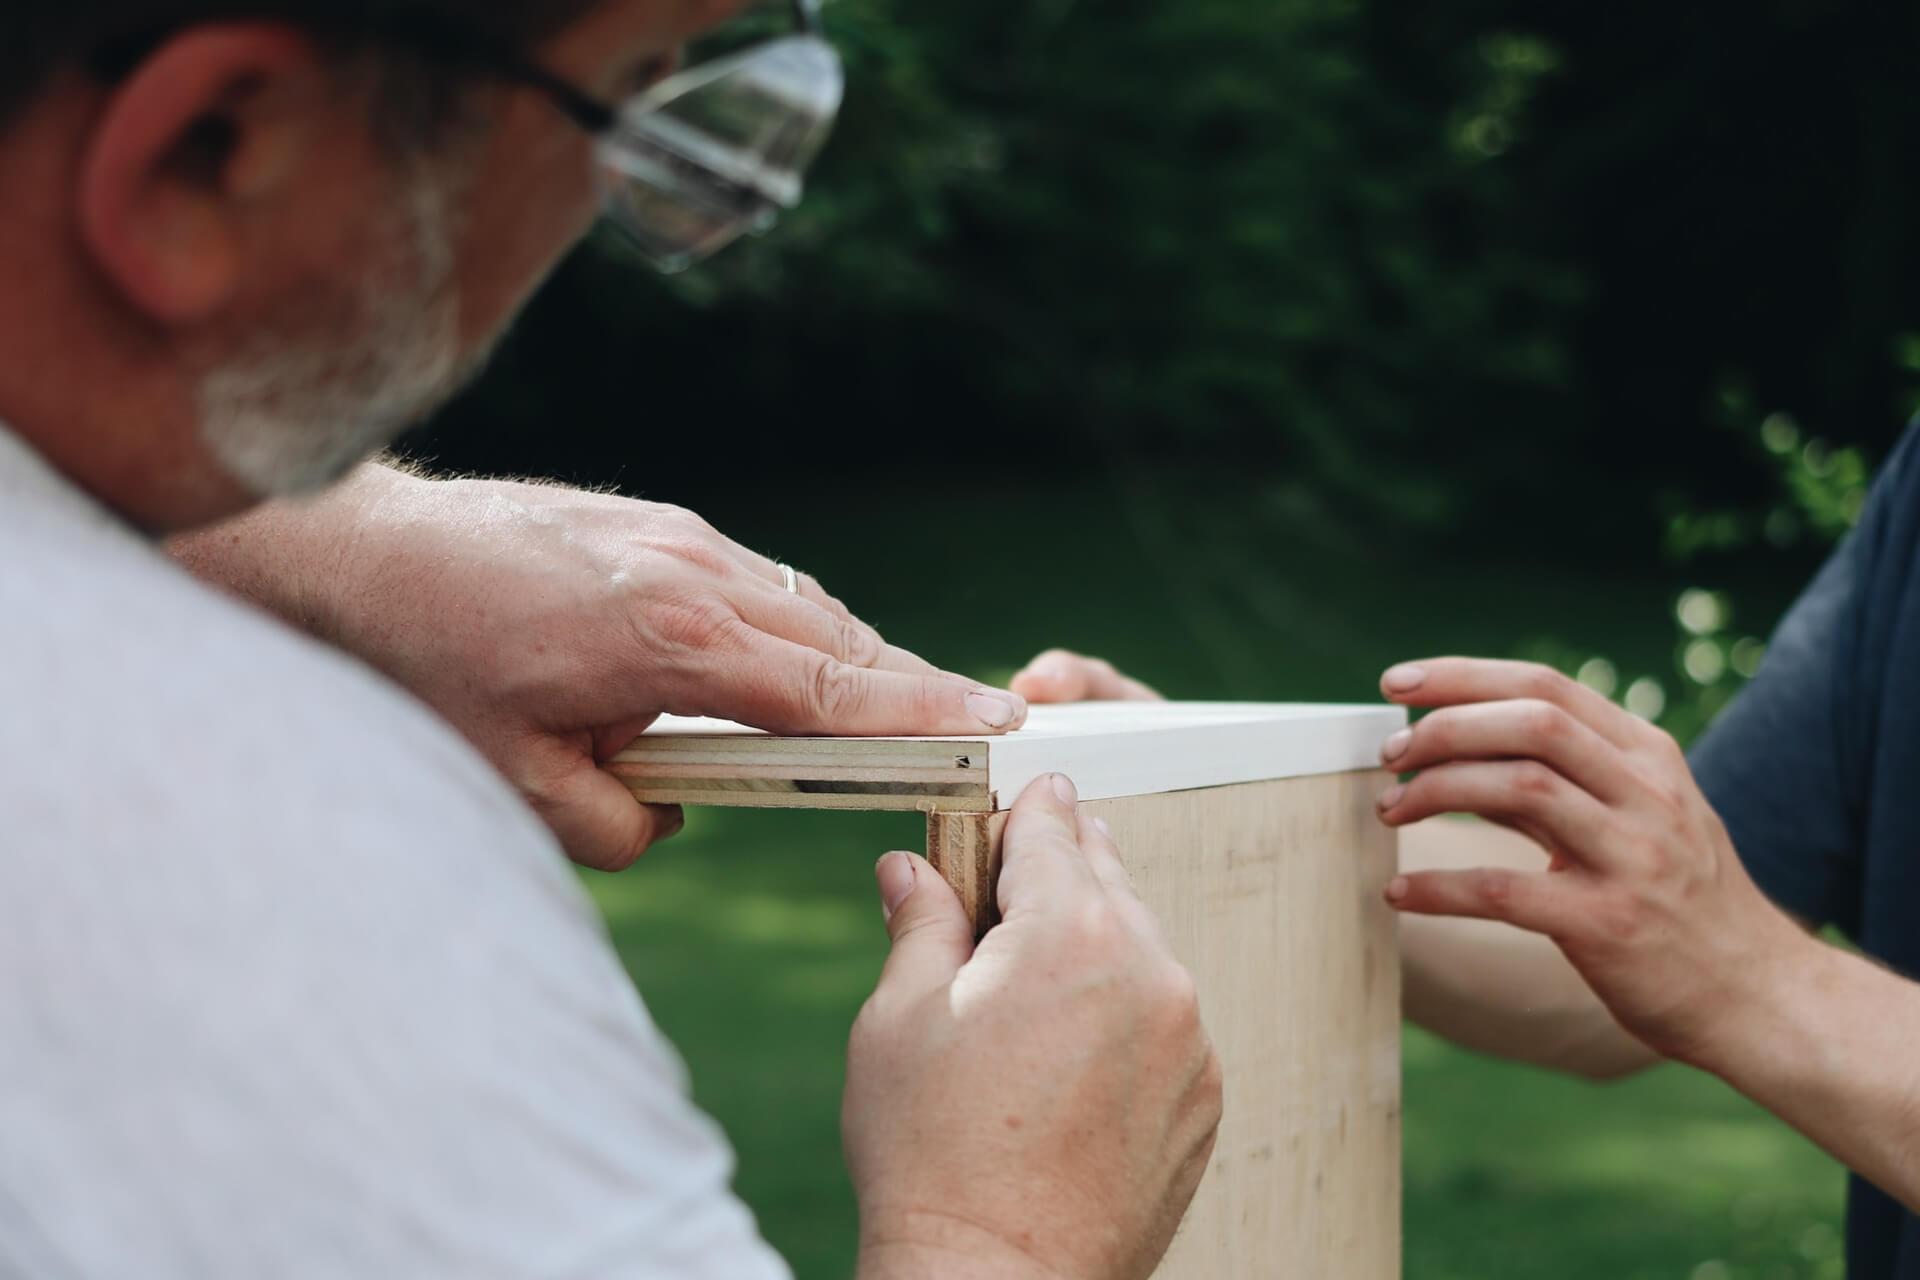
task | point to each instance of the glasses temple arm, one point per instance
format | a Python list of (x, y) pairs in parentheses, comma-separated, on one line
[(806, 14)]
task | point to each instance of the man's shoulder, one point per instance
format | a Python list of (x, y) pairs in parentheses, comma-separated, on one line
[(126, 677), (287, 961)]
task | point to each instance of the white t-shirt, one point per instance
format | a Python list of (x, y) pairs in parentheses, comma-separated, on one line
[(291, 984)]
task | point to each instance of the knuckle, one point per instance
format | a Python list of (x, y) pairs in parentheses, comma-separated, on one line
[(1213, 1083), (1542, 682), (1096, 927), (860, 645), (1178, 999), (1661, 786), (1621, 921), (1667, 748), (699, 553), (1494, 886), (1657, 859), (684, 519), (1436, 733), (810, 585), (1534, 781), (690, 622), (835, 691), (1545, 721), (1212, 1071)]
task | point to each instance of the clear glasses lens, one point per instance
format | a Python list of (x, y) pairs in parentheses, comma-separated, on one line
[(719, 150)]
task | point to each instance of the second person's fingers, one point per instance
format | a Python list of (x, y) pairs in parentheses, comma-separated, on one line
[(1539, 901), (1516, 730), (1060, 675), (1446, 682), (1521, 792)]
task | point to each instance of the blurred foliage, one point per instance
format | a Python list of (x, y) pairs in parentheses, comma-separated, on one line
[(1446, 270), (1819, 493)]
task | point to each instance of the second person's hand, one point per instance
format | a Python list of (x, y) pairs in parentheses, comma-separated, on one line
[(1061, 675), (1645, 895)]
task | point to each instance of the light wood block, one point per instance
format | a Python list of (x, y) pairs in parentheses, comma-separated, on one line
[(1269, 888)]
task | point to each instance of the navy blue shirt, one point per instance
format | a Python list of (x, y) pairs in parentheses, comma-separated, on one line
[(1815, 769)]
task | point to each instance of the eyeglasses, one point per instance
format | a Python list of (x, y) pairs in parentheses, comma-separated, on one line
[(688, 165), (713, 152)]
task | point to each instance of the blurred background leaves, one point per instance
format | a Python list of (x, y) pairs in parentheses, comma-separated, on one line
[(1447, 267)]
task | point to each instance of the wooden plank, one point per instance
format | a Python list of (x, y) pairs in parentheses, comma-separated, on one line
[(1270, 893), (721, 795), (965, 849), (1109, 749)]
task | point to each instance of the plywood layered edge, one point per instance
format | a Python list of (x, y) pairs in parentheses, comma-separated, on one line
[(1111, 750)]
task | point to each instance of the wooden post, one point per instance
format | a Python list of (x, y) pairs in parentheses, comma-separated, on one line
[(1261, 856), (965, 848)]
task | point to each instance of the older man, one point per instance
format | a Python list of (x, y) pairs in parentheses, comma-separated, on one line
[(291, 982)]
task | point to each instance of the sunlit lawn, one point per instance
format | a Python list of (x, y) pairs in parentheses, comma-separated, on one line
[(755, 935)]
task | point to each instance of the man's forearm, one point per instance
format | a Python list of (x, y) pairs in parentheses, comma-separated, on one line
[(281, 553), (1834, 1050), (1494, 988)]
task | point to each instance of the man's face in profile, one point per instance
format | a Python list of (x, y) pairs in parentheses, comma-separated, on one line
[(381, 267)]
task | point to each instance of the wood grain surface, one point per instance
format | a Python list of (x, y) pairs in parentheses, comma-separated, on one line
[(1270, 893)]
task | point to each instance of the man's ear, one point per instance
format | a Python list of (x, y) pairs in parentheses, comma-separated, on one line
[(200, 128)]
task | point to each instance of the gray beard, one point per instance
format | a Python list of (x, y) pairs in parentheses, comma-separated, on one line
[(292, 413)]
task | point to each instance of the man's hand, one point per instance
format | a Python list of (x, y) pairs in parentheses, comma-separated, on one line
[(1645, 894), (1042, 1104), (551, 626)]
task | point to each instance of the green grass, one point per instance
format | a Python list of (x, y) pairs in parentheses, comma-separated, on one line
[(755, 935)]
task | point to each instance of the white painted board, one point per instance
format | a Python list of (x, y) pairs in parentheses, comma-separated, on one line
[(1113, 749)]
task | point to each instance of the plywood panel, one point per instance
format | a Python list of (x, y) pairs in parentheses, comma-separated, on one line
[(1270, 893), (1109, 749)]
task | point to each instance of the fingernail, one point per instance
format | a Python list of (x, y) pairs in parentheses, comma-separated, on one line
[(1063, 787), (674, 827), (1392, 796), (896, 875), (1396, 888), (992, 709), (1404, 679), (1396, 746), (1100, 825)]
